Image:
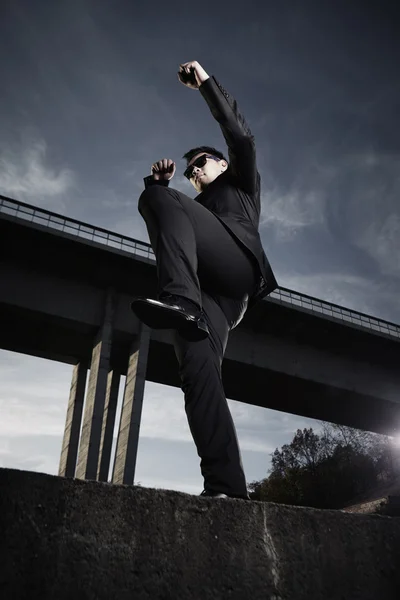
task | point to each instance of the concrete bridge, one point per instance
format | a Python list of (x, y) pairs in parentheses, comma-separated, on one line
[(65, 294)]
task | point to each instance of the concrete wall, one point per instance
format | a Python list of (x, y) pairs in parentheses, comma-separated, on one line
[(64, 538)]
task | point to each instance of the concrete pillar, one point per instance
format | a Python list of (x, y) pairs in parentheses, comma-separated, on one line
[(128, 434), (108, 425), (69, 448), (89, 448)]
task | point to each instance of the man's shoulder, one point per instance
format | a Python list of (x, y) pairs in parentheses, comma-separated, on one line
[(234, 181)]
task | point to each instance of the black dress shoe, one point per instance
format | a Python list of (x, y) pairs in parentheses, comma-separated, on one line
[(172, 312), (214, 494)]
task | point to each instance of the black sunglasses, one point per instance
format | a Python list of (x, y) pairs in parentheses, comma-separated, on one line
[(199, 162)]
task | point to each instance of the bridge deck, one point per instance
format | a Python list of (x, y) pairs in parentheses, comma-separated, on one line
[(120, 243)]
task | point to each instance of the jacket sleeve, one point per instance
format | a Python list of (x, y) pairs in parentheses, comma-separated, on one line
[(150, 181), (237, 134)]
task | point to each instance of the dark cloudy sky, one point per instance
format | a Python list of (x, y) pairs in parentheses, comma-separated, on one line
[(90, 99)]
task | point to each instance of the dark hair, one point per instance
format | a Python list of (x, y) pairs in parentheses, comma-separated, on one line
[(189, 155)]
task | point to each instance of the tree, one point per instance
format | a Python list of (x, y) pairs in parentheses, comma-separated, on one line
[(323, 470), (377, 446)]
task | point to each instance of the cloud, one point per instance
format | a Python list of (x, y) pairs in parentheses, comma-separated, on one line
[(292, 211), (26, 175), (33, 397), (381, 240), (31, 452), (368, 209), (354, 197), (261, 429)]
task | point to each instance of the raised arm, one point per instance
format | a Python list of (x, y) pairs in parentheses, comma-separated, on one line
[(237, 134)]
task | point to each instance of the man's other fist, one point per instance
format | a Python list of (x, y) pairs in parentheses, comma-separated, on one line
[(163, 169)]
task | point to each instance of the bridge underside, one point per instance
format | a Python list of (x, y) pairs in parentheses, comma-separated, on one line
[(68, 342)]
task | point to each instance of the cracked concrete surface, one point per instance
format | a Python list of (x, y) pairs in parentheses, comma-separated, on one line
[(67, 538)]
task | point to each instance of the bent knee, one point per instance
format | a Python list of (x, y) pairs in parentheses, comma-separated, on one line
[(155, 193)]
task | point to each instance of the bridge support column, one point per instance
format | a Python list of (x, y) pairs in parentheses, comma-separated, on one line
[(129, 426), (107, 431), (69, 448), (89, 447)]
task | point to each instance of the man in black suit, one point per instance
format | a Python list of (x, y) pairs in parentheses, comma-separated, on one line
[(211, 268)]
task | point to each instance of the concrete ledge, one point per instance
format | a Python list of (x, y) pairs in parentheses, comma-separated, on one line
[(65, 538)]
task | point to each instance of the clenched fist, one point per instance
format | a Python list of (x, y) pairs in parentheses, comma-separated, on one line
[(192, 74), (163, 169)]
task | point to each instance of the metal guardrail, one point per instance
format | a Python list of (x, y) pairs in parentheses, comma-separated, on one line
[(71, 226), (336, 311)]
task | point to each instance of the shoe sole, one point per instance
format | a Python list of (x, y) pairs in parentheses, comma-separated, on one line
[(218, 497), (224, 496), (158, 316)]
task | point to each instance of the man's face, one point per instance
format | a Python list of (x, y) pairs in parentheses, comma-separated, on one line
[(203, 176)]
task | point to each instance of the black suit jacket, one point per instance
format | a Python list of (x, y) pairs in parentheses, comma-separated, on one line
[(234, 196)]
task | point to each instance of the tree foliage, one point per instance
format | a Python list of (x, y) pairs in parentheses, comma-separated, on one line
[(325, 470)]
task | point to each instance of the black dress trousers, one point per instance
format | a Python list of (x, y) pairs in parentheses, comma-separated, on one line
[(199, 259)]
